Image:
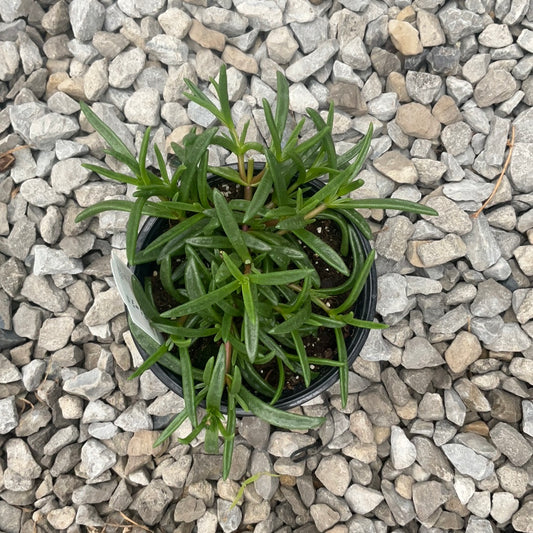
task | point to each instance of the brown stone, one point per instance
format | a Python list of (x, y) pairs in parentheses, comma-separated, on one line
[(416, 120), (142, 443), (54, 80), (462, 352), (397, 167), (73, 87), (405, 38), (428, 25), (408, 14), (505, 406), (347, 97), (240, 60), (396, 84), (206, 37), (478, 427), (495, 87), (446, 111)]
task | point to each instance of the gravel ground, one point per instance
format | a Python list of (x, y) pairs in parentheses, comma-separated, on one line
[(438, 432)]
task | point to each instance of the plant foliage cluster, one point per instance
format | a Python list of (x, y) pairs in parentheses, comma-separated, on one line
[(237, 268)]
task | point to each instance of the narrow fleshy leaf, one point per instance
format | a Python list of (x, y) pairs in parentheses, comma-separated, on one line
[(230, 226), (279, 278), (277, 417), (324, 250), (203, 302)]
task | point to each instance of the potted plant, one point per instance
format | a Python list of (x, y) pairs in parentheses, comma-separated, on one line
[(252, 274)]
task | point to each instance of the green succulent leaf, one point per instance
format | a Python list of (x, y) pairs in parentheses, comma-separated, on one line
[(112, 139), (324, 250), (277, 417), (230, 226), (203, 302)]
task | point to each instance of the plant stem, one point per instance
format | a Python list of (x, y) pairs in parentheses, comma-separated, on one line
[(316, 211), (316, 300), (229, 348)]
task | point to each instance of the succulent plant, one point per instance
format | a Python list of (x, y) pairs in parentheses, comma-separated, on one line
[(238, 260)]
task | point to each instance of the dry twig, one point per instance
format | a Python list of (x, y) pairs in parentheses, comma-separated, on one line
[(510, 144), (7, 158)]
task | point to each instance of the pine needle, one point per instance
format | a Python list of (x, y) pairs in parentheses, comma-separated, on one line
[(510, 144)]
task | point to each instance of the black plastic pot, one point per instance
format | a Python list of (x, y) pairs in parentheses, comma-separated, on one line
[(364, 309)]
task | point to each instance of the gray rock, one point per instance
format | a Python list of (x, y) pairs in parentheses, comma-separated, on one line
[(428, 496), (37, 192), (135, 418), (224, 20), (401, 508), (434, 253), (92, 385), (43, 293), (125, 68), (492, 299), (264, 17), (511, 338), (175, 22), (281, 45), (384, 106), (354, 54), (419, 353), (49, 128), (334, 473), (523, 518), (86, 18), (301, 99), (68, 149), (8, 415), (50, 226), (456, 138), (96, 458), (323, 516), (142, 107), (55, 333), (59, 440), (8, 371), (459, 23), (33, 373), (20, 460), (522, 368), (511, 443), (362, 500), (513, 479), (376, 404), (451, 218), (521, 161), (473, 398), (21, 238), (107, 305), (229, 518), (27, 321), (9, 60), (152, 501), (483, 250), (495, 87), (283, 444), (87, 515), (468, 462), (168, 49), (308, 65), (423, 87), (392, 297), (189, 509), (50, 261), (403, 452)]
